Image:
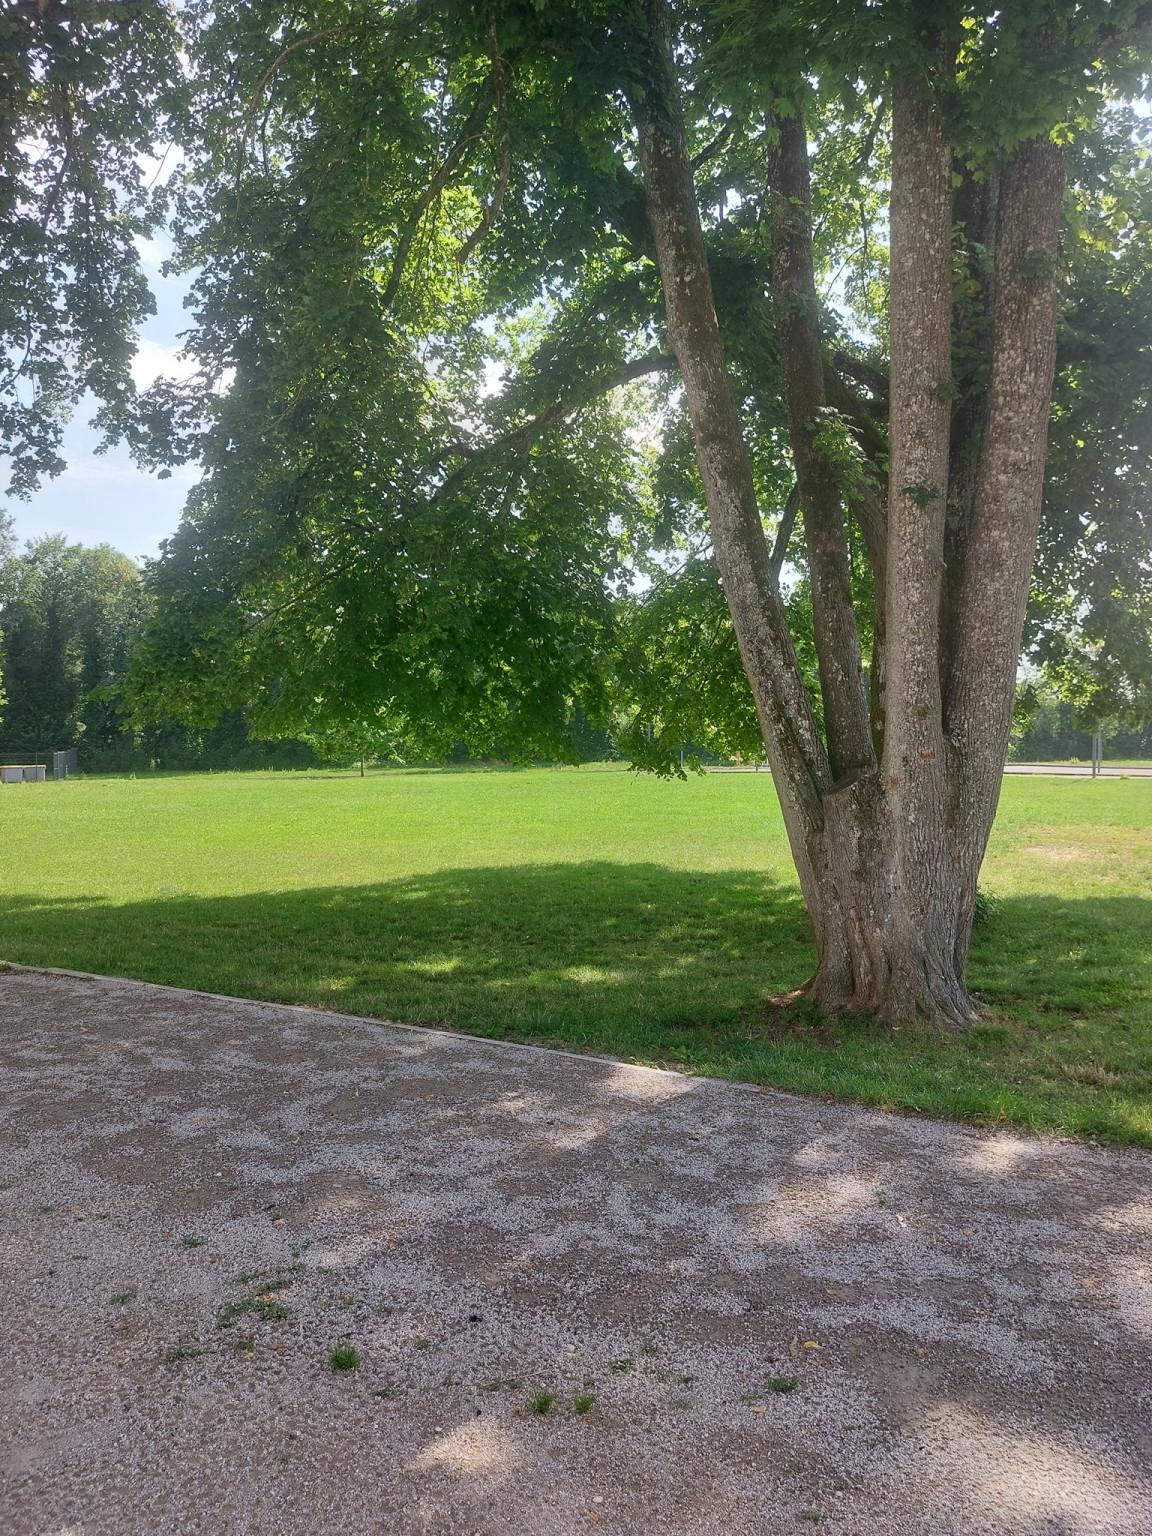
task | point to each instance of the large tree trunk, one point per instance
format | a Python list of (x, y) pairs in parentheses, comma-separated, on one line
[(888, 857)]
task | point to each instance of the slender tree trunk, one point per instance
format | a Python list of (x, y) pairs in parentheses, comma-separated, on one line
[(1000, 540), (845, 699), (799, 762)]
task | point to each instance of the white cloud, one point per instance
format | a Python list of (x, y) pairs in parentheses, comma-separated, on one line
[(155, 360)]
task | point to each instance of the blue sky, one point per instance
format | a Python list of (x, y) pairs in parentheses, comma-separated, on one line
[(105, 499)]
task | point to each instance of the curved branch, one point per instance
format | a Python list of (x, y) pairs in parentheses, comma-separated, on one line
[(525, 435), (494, 204), (474, 125)]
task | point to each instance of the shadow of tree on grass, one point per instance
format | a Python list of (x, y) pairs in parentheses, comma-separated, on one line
[(661, 965)]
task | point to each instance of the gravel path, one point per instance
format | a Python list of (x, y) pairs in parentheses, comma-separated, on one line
[(744, 1312)]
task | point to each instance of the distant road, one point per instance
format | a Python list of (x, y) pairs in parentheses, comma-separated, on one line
[(1060, 770), (1078, 770)]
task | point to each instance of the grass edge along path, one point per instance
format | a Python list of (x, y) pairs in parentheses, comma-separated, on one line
[(601, 911)]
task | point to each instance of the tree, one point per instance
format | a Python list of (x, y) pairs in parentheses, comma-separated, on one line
[(68, 618), (89, 88), (386, 202)]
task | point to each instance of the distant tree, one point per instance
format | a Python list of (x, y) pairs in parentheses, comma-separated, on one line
[(68, 619)]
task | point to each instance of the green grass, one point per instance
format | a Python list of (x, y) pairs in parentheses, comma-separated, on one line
[(602, 911), (345, 1357)]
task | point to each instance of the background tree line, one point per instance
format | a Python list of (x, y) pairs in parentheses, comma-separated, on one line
[(70, 617)]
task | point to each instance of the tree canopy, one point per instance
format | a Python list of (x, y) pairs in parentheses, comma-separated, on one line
[(89, 91), (448, 469)]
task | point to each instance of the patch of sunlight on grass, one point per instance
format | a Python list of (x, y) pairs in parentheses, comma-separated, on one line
[(591, 975)]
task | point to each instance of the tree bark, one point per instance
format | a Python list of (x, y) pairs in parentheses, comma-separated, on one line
[(888, 857), (915, 761), (846, 721), (1000, 543)]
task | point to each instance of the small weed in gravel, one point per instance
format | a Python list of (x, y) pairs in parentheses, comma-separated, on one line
[(584, 1403), (266, 1308), (783, 1383), (180, 1352), (620, 1366), (271, 1285), (541, 1402), (191, 1240), (345, 1357), (122, 1298)]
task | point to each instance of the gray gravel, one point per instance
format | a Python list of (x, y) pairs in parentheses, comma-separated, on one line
[(791, 1315)]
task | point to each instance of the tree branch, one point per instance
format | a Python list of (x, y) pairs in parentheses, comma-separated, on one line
[(473, 127), (712, 149), (784, 532), (493, 205), (523, 436), (802, 367)]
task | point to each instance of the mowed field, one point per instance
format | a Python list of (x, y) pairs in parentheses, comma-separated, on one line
[(602, 911)]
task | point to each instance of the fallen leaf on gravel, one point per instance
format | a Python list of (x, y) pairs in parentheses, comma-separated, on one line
[(759, 1407), (793, 1348), (1090, 1282), (811, 1344)]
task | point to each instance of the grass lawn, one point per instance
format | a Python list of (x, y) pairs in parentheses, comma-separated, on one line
[(602, 910)]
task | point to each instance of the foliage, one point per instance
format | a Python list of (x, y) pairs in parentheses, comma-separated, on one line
[(448, 489), (1092, 599), (89, 92)]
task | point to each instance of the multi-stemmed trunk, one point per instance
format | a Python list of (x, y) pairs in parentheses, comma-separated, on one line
[(888, 809)]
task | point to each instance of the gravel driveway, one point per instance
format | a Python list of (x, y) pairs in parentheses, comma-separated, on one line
[(583, 1296)]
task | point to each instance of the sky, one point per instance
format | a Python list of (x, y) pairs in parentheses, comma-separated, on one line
[(105, 499)]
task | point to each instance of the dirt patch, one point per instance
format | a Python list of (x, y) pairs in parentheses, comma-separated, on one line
[(266, 1271), (1060, 853)]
